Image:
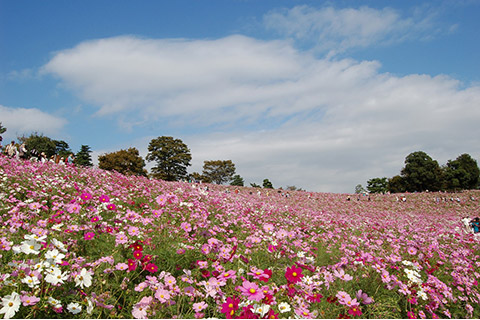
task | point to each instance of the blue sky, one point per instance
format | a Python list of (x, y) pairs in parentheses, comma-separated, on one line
[(322, 95)]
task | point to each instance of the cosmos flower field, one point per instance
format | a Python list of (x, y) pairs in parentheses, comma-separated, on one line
[(87, 243)]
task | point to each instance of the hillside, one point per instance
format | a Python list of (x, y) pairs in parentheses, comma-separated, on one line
[(87, 243)]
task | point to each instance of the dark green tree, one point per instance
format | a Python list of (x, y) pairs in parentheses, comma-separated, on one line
[(172, 157), (62, 148), (83, 158), (195, 176), (377, 185), (237, 180), (396, 184), (421, 173), (218, 171), (462, 173), (128, 162), (267, 184), (39, 142), (2, 128), (254, 185), (359, 189)]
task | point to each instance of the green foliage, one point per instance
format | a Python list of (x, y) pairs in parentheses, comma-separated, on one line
[(2, 129), (377, 185), (41, 143), (218, 171), (172, 157), (237, 180), (462, 173), (267, 184), (396, 184), (359, 189), (62, 148), (254, 185), (124, 161), (421, 173), (83, 157)]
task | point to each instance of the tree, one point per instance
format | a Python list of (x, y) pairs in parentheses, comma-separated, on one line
[(267, 184), (462, 173), (359, 189), (128, 162), (40, 143), (83, 157), (396, 184), (196, 177), (62, 148), (2, 129), (237, 181), (421, 173), (218, 171), (377, 185), (254, 185), (172, 157)]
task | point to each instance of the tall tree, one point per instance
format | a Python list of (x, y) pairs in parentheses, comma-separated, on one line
[(377, 185), (83, 157), (172, 157), (462, 173), (359, 189), (128, 162), (396, 184), (421, 173), (219, 171), (267, 184), (237, 180), (40, 143), (62, 148)]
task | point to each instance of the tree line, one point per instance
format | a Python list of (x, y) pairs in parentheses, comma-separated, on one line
[(172, 157), (422, 173)]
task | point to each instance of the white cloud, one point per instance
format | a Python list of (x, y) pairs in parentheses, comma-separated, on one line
[(298, 120), (337, 30), (19, 121)]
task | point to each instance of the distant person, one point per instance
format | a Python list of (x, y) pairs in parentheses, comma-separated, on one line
[(22, 152), (70, 158), (475, 223), (11, 149)]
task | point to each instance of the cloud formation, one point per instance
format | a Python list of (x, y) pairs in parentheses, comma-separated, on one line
[(336, 30), (19, 121), (279, 112)]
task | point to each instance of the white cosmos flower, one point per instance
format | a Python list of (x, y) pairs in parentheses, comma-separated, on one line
[(55, 276), (30, 247), (284, 307), (74, 307), (34, 237), (60, 246), (54, 255), (261, 309), (11, 304), (31, 281), (83, 279)]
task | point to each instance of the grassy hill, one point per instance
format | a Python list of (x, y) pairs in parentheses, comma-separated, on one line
[(87, 243)]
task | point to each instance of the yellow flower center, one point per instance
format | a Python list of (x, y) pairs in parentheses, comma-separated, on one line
[(230, 306), (294, 274), (252, 290)]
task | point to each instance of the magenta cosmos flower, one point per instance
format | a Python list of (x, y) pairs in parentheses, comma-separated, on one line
[(294, 274), (251, 291), (230, 306), (89, 235)]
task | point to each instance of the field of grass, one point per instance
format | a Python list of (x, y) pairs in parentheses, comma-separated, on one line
[(87, 243)]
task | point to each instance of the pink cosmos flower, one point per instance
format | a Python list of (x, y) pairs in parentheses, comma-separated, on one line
[(111, 206), (95, 219), (89, 235), (29, 300), (121, 266), (230, 306), (104, 198), (161, 200), (199, 306), (411, 315), (294, 274), (151, 267), (162, 295), (342, 275), (342, 296), (85, 196), (251, 291), (412, 250), (355, 311), (137, 254), (187, 227), (363, 297), (73, 208), (132, 264), (133, 231)]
